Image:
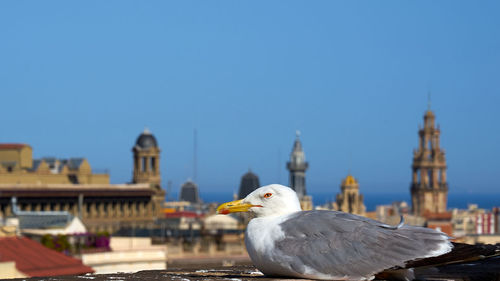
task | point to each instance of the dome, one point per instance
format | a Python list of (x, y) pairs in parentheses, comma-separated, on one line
[(429, 113), (350, 180), (249, 183), (146, 140), (189, 192)]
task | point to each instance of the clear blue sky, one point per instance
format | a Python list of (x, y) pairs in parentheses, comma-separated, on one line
[(83, 79)]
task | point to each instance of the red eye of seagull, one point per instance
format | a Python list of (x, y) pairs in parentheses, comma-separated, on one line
[(267, 195)]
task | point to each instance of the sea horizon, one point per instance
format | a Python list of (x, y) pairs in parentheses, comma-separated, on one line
[(459, 200)]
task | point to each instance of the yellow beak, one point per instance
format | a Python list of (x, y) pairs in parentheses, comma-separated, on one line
[(234, 206)]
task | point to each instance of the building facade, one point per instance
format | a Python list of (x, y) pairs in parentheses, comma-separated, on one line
[(60, 185), (18, 166), (349, 199), (429, 188)]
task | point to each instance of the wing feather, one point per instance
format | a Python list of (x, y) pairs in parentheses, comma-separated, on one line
[(338, 244)]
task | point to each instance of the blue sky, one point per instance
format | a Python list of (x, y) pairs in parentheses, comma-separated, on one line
[(83, 79)]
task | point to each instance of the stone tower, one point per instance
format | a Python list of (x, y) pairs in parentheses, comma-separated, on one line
[(429, 188), (147, 160), (349, 199), (297, 167)]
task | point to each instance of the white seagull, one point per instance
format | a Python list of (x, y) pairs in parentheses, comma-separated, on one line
[(283, 240)]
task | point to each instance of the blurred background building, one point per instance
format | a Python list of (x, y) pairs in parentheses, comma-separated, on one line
[(349, 199), (50, 184), (297, 179), (249, 182), (429, 188)]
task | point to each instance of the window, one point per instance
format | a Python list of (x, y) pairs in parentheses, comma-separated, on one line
[(153, 167), (143, 164)]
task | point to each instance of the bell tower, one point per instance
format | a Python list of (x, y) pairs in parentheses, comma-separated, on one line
[(429, 188), (297, 167), (349, 200), (147, 160)]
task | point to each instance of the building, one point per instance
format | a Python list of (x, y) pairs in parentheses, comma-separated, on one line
[(189, 192), (18, 166), (147, 160), (297, 167), (59, 186), (249, 182), (429, 188), (349, 199)]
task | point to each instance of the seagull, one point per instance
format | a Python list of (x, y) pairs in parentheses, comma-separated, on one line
[(282, 240)]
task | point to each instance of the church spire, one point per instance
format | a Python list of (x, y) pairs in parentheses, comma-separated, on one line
[(297, 167)]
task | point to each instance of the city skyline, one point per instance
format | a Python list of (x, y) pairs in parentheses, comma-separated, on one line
[(84, 81)]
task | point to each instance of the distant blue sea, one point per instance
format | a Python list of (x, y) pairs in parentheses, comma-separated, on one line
[(371, 200)]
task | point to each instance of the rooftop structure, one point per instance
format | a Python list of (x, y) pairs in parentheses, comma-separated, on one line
[(249, 182), (429, 188), (189, 192), (297, 167), (349, 199), (147, 160), (18, 166)]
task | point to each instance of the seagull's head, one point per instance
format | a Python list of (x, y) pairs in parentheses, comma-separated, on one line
[(269, 200)]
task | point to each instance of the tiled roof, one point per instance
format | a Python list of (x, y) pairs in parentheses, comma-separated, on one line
[(182, 214), (33, 259), (12, 145)]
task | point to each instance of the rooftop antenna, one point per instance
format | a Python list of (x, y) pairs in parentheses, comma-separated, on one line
[(195, 152), (350, 163), (428, 97), (429, 100)]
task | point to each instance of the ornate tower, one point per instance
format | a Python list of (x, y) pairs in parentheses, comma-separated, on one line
[(349, 200), (429, 188), (147, 160), (297, 167)]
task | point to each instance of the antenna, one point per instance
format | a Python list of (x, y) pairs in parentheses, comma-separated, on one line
[(195, 152), (350, 162), (429, 100)]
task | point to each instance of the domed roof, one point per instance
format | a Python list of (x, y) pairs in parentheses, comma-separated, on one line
[(189, 192), (350, 180), (146, 140), (249, 183)]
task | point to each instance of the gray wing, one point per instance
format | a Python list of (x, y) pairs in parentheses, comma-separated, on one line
[(342, 244)]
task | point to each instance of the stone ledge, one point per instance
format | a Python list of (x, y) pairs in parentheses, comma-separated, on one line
[(487, 269)]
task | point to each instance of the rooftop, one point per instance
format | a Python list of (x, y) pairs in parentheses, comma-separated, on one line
[(33, 259)]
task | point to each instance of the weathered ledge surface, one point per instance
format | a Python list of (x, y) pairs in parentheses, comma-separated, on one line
[(484, 270)]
